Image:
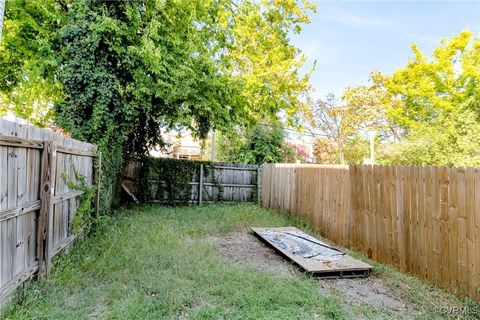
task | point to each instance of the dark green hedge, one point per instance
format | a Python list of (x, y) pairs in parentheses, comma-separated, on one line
[(170, 176)]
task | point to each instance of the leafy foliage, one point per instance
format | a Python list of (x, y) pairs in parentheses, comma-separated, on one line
[(342, 124), (355, 151), (263, 144), (325, 151), (29, 59), (429, 108), (261, 58), (172, 177), (85, 209), (118, 71)]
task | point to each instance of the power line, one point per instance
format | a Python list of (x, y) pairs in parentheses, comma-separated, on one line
[(311, 134)]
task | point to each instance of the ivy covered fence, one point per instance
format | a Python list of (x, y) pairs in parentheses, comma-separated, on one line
[(180, 182)]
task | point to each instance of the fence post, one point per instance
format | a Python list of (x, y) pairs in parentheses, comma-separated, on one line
[(259, 184), (97, 167), (200, 185), (47, 191)]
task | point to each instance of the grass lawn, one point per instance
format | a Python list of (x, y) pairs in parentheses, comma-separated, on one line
[(157, 263)]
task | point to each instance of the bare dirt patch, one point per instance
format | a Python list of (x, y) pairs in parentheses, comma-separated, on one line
[(243, 248), (371, 291), (99, 308)]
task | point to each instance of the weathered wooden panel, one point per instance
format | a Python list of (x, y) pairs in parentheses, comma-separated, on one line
[(341, 266), (21, 152)]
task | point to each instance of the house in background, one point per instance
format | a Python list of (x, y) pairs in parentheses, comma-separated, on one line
[(303, 146), (179, 145)]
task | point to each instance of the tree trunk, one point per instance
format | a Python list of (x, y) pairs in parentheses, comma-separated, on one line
[(2, 15), (340, 153)]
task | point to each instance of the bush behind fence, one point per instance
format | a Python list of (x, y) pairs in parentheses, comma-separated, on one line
[(174, 181)]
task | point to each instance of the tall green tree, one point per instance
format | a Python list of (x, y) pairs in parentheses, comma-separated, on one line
[(342, 124), (130, 68), (29, 58), (117, 71), (260, 144), (261, 58), (431, 106)]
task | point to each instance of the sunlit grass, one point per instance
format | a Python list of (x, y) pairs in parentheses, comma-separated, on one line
[(155, 263)]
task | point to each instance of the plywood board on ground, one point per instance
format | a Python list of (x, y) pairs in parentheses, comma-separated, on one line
[(344, 267)]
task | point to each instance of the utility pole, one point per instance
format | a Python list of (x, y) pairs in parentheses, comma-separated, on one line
[(212, 155), (372, 147), (2, 15)]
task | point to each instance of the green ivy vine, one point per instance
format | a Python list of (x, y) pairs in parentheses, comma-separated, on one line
[(170, 177), (83, 215), (169, 180), (255, 190), (215, 182)]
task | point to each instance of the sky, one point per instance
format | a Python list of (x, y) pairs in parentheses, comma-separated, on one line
[(349, 39)]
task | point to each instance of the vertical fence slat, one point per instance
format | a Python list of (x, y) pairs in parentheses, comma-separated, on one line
[(414, 221), (200, 185), (444, 252), (476, 268), (97, 173), (470, 231), (436, 231), (47, 190), (427, 224), (462, 232), (420, 223), (452, 228)]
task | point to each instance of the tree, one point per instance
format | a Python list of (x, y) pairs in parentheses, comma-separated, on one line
[(29, 58), (325, 151), (262, 144), (261, 58), (371, 101), (431, 105), (248, 41), (341, 124), (130, 68)]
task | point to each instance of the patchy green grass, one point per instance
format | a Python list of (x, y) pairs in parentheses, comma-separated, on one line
[(154, 263)]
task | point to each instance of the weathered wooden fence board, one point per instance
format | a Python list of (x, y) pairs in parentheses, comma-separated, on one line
[(423, 220), (33, 227)]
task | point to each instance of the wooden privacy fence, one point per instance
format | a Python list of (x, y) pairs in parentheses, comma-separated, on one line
[(218, 182), (36, 204), (423, 220)]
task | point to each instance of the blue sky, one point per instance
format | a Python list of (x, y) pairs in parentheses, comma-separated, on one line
[(348, 39)]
